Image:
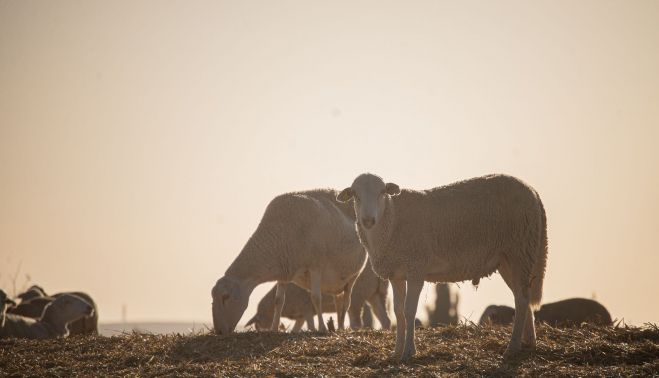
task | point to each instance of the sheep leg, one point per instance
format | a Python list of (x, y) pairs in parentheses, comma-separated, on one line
[(380, 310), (347, 294), (310, 323), (280, 298), (316, 298), (522, 308), (355, 314), (298, 325), (340, 305), (398, 287), (528, 337), (411, 302)]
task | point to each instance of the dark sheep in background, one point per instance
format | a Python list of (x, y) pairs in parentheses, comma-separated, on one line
[(561, 313)]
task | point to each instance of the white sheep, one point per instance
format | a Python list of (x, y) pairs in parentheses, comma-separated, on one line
[(462, 231), (298, 306), (305, 237), (53, 323)]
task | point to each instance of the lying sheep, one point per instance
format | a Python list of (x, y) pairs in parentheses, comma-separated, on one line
[(5, 303), (501, 315), (32, 292), (307, 238), (298, 306), (562, 313), (462, 231), (33, 308), (52, 324)]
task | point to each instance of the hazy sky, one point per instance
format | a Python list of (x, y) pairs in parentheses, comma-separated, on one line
[(140, 141)]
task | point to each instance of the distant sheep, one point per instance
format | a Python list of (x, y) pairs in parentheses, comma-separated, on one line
[(566, 312), (52, 324), (305, 237), (462, 231), (5, 303), (374, 290), (32, 292), (33, 308), (299, 308)]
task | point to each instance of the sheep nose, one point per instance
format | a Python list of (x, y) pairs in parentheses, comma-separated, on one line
[(368, 222)]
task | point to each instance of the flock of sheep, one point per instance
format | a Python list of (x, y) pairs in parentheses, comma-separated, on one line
[(320, 241), (343, 249), (40, 316)]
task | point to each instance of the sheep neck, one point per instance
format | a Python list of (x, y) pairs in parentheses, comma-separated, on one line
[(53, 324), (256, 263), (378, 236)]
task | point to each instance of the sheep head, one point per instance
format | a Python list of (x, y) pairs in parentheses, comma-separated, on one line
[(229, 303), (499, 315), (369, 193)]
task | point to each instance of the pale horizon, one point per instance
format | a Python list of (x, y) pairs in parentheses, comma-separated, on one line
[(140, 142)]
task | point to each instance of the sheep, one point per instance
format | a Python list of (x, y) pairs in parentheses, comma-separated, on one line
[(500, 315), (298, 306), (52, 324), (5, 303), (462, 231), (34, 307), (304, 237), (374, 290), (562, 313), (32, 292)]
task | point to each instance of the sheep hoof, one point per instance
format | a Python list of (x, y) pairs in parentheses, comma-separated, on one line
[(511, 353)]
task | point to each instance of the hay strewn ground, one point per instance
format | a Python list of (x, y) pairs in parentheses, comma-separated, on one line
[(464, 350)]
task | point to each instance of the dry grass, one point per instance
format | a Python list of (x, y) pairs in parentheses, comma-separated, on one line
[(463, 350)]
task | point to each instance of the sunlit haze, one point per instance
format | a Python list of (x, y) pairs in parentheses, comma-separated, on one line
[(140, 141)]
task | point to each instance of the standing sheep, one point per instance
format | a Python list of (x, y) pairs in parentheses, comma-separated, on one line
[(53, 323), (374, 290), (462, 231), (298, 307), (562, 313), (305, 237)]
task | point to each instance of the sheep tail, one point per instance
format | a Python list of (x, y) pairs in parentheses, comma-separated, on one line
[(538, 270)]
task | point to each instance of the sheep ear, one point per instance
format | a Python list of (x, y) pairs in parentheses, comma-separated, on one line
[(345, 195), (392, 189)]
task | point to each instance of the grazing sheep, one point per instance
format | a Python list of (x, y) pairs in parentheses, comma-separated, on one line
[(34, 307), (305, 237), (53, 323), (374, 290), (462, 231), (298, 306), (562, 313)]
